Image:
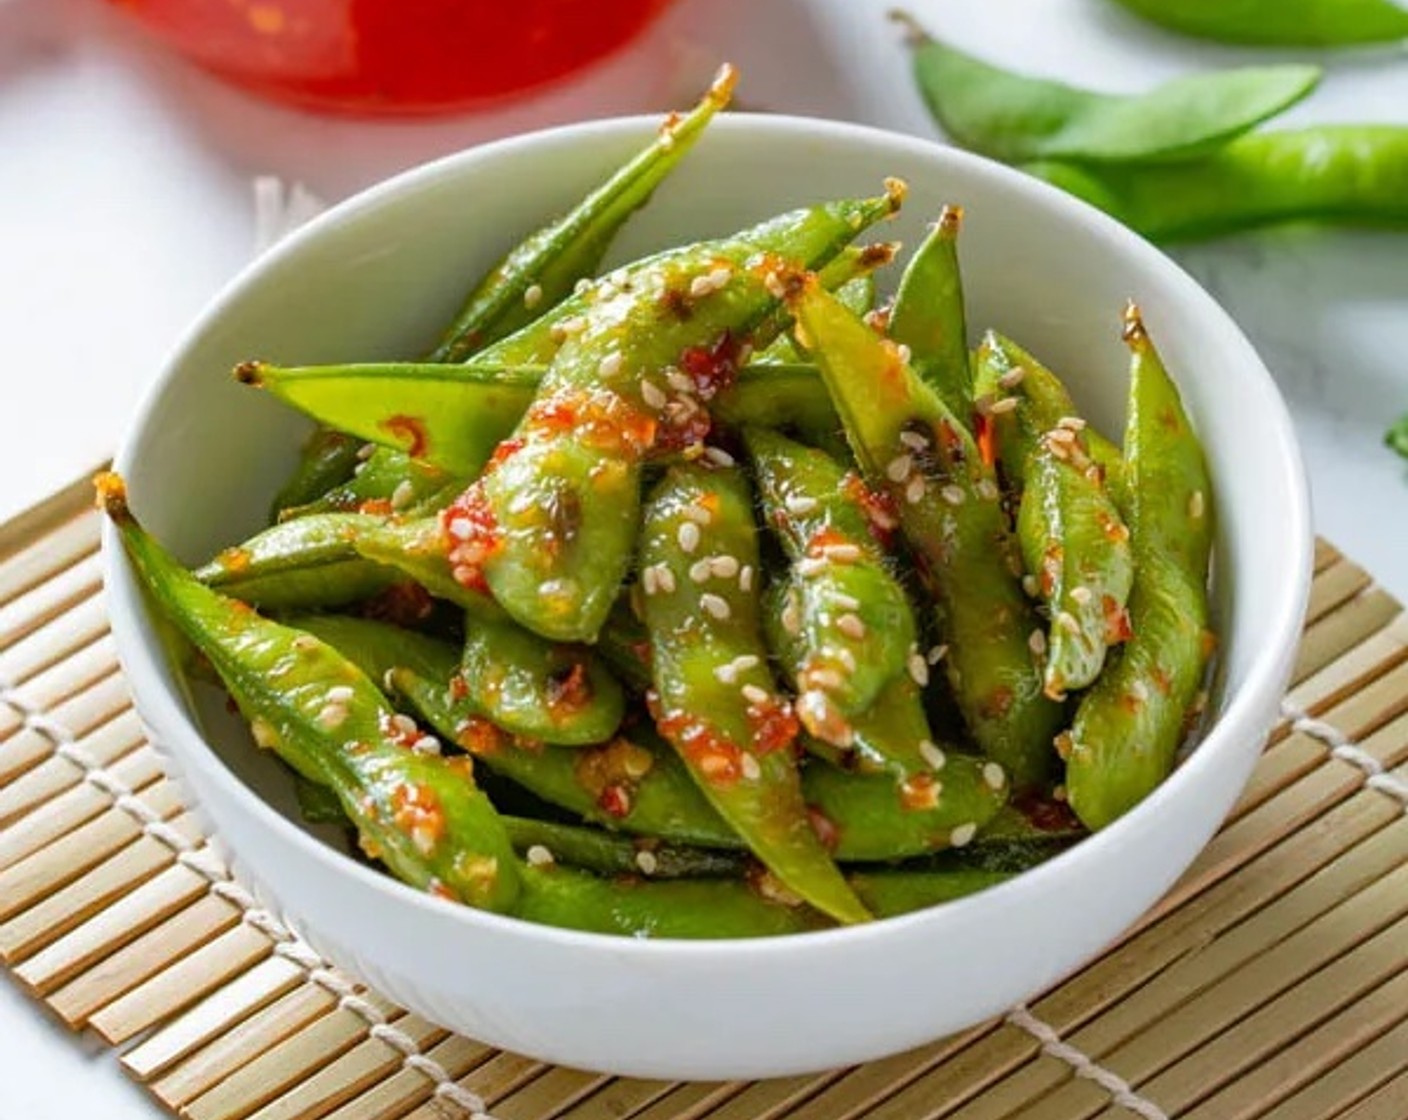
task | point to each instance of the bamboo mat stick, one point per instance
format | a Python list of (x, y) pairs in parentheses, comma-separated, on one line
[(1367, 630), (620, 1097), (105, 745), (1390, 1102), (31, 564), (407, 1089), (53, 642), (82, 668), (1333, 587), (1350, 1081), (549, 1094), (31, 609), (78, 716)]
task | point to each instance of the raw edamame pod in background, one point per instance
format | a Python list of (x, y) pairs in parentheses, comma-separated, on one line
[(1279, 23), (1129, 725), (1013, 117)]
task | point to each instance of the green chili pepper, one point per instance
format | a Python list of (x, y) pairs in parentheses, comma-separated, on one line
[(605, 853), (551, 525), (1012, 117), (1281, 23), (327, 458), (909, 444), (546, 691), (855, 624), (543, 269), (1074, 544), (928, 314), (421, 814), (1356, 174), (308, 562), (386, 481), (1128, 727), (714, 698)]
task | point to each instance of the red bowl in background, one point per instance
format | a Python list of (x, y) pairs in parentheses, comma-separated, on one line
[(393, 57)]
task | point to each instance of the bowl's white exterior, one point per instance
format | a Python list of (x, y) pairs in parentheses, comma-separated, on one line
[(376, 278)]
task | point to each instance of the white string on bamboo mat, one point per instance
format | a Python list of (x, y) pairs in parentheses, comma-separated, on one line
[(1083, 1066), (200, 858), (1346, 750)]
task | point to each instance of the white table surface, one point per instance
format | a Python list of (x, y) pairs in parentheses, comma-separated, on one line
[(125, 204)]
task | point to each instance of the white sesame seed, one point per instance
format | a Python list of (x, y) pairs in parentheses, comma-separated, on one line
[(745, 661), (937, 653), (1067, 621), (539, 856), (264, 733), (811, 566), (898, 468), (574, 324), (851, 625), (918, 668), (620, 277), (700, 571), (773, 283), (825, 678), (388, 680), (915, 441), (1139, 690), (1012, 378), (698, 514), (799, 504), (844, 656), (366, 451), (846, 553), (582, 285), (1196, 505), (726, 674), (403, 495), (952, 494), (678, 380), (846, 602), (652, 395), (403, 725), (986, 489), (745, 578), (1030, 586), (611, 365), (755, 695), (725, 567), (994, 775), (933, 757), (1081, 594), (1072, 423), (791, 616), (1061, 435), (714, 605), (748, 764), (333, 715), (720, 275), (1036, 642), (688, 536), (532, 296), (664, 579), (914, 492), (904, 353), (719, 457), (963, 834), (648, 581), (1005, 404), (1058, 793), (426, 744), (341, 694), (646, 861)]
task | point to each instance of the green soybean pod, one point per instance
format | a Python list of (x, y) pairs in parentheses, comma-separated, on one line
[(1279, 23)]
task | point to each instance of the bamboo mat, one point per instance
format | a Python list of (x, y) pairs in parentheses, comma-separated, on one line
[(1271, 982)]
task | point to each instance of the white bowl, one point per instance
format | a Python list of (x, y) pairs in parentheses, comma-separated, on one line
[(380, 274)]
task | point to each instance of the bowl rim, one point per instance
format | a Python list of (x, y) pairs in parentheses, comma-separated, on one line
[(141, 659)]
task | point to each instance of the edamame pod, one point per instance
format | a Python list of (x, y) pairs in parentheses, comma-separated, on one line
[(386, 481), (327, 458), (928, 314), (1129, 725), (1281, 23), (607, 853), (420, 814), (714, 699)]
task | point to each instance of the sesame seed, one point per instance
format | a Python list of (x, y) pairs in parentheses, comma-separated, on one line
[(825, 678), (719, 457), (539, 856), (1139, 690), (664, 579), (1081, 594), (918, 668), (715, 605), (426, 744), (745, 661), (755, 695), (904, 353), (646, 861), (366, 451), (574, 324), (403, 725), (341, 694), (264, 733), (986, 489), (1005, 404), (333, 715), (532, 296), (461, 528), (994, 775), (791, 616), (1067, 622), (952, 494), (698, 514), (700, 571), (582, 285), (846, 553), (914, 492), (844, 656), (811, 566), (1058, 793), (937, 653), (649, 583), (933, 757), (678, 380), (611, 365), (620, 277), (851, 625), (688, 536), (1072, 423), (388, 680), (1036, 642), (898, 468), (1061, 435), (652, 395), (773, 283), (799, 504), (748, 764), (403, 495), (1030, 586), (745, 578), (963, 834), (1012, 378), (846, 602), (726, 674), (725, 567), (700, 286), (1196, 505), (915, 441)]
